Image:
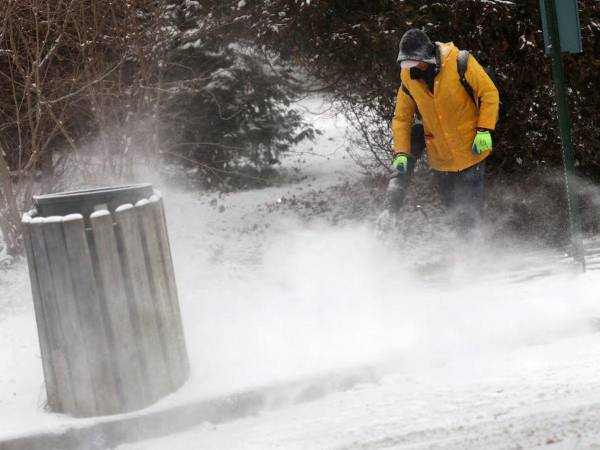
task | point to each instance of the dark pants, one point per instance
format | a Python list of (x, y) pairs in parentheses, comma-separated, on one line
[(462, 196)]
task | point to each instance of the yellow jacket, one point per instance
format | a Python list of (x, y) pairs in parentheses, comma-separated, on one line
[(450, 117)]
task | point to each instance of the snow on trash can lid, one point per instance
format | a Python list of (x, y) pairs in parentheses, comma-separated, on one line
[(87, 201)]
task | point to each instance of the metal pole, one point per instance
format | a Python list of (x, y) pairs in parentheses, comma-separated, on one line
[(565, 131)]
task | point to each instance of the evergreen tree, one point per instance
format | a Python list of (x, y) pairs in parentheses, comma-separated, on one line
[(229, 114)]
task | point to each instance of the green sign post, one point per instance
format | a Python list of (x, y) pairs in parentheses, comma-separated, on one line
[(562, 34), (567, 15)]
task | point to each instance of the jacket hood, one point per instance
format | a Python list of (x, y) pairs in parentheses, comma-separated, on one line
[(445, 48)]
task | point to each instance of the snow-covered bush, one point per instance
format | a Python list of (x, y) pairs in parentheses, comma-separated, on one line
[(228, 113)]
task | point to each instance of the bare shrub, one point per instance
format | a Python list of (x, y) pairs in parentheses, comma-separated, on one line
[(71, 71)]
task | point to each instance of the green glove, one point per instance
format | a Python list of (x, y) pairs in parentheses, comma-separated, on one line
[(400, 163), (482, 142)]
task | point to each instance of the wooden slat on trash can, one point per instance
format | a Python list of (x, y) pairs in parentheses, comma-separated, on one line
[(67, 316), (93, 316), (142, 305), (52, 393), (52, 319), (112, 291), (160, 289), (160, 224)]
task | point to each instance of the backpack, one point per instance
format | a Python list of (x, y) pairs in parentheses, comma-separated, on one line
[(462, 61)]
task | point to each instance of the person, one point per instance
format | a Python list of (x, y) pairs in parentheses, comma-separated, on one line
[(457, 126)]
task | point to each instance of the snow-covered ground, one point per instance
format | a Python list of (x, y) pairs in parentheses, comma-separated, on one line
[(268, 295), (544, 395)]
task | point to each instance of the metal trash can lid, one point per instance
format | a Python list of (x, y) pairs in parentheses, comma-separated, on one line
[(87, 201)]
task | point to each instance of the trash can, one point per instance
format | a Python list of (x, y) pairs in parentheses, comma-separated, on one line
[(105, 299)]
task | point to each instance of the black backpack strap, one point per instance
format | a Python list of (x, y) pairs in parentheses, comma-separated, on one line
[(461, 65), (406, 91)]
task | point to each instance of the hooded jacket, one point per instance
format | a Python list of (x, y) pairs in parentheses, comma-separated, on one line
[(450, 117)]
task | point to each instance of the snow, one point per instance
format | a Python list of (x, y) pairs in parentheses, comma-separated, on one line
[(72, 217), (268, 296), (535, 396), (100, 213), (53, 219), (124, 207)]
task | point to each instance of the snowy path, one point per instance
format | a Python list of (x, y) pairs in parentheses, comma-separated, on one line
[(268, 296), (539, 396), (526, 383)]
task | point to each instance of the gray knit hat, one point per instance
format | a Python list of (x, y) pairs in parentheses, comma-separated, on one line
[(416, 46)]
